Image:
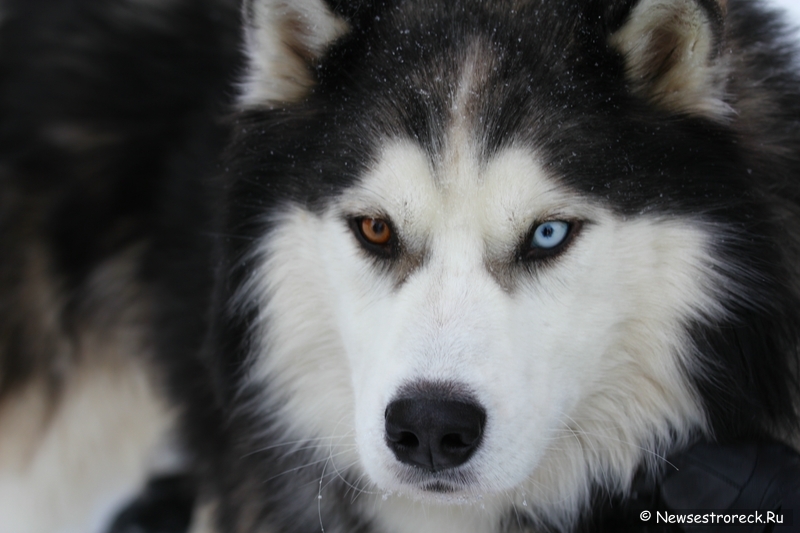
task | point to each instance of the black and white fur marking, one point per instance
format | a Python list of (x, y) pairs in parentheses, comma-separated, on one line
[(662, 132), (464, 267)]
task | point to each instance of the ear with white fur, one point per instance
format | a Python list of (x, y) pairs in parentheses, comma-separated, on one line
[(672, 51), (283, 38)]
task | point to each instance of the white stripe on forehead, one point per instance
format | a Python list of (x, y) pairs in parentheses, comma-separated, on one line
[(462, 140)]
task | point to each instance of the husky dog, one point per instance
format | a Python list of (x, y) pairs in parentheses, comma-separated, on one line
[(483, 260), (469, 266)]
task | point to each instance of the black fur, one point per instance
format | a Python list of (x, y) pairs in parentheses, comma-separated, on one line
[(109, 122)]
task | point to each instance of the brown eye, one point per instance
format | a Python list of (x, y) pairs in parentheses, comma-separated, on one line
[(376, 235), (375, 230)]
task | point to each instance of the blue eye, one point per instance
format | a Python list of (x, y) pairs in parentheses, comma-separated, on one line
[(550, 234)]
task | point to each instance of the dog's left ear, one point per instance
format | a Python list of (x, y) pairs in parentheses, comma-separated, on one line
[(283, 39), (673, 54)]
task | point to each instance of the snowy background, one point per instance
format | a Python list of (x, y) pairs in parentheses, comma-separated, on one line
[(792, 7)]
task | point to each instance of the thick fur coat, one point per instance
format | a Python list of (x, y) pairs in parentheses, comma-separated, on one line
[(404, 266)]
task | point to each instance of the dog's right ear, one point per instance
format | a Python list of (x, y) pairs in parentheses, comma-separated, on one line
[(283, 39)]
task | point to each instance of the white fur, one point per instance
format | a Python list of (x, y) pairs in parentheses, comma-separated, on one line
[(580, 366), (66, 471), (67, 465)]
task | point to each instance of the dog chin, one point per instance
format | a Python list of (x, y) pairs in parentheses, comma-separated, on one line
[(439, 493), (446, 488)]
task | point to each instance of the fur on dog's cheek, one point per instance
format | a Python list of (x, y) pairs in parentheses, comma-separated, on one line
[(302, 359)]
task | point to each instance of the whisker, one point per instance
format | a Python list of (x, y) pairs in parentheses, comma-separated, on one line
[(580, 431), (288, 443), (306, 465)]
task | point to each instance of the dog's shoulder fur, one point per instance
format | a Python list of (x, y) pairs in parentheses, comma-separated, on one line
[(110, 122)]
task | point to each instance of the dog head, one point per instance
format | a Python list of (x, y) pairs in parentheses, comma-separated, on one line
[(497, 244)]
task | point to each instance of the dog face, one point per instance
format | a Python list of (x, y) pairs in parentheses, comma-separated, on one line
[(492, 337), (482, 269)]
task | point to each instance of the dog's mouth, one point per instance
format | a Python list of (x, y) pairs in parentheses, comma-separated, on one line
[(444, 490), (440, 487), (448, 482)]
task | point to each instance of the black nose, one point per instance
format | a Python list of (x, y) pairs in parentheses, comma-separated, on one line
[(434, 434)]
